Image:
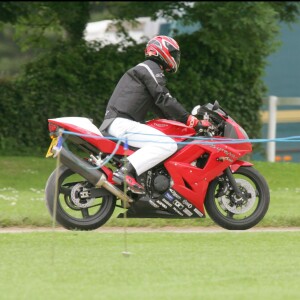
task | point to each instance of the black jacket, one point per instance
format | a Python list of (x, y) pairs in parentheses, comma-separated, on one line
[(142, 89)]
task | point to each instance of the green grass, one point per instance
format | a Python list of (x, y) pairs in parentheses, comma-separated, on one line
[(23, 179), (90, 265)]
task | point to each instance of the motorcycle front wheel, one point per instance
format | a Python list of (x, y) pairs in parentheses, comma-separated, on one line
[(238, 213), (68, 199)]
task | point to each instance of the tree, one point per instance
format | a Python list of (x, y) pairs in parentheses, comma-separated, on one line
[(10, 12), (224, 59), (36, 23)]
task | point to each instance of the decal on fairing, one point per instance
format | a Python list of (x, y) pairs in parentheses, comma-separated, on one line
[(198, 212), (167, 202), (174, 202), (187, 212), (169, 196), (153, 204)]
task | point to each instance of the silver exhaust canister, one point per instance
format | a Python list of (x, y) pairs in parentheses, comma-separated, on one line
[(94, 176)]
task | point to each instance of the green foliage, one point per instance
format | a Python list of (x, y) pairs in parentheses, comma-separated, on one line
[(41, 24), (10, 117), (11, 58), (69, 81), (224, 60), (288, 10), (128, 10), (73, 17), (10, 11)]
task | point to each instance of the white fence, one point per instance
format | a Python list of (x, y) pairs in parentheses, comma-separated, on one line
[(272, 117)]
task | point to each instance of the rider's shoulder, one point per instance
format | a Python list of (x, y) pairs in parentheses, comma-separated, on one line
[(150, 68), (150, 65)]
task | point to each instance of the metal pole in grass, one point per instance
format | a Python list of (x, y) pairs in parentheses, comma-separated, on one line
[(125, 253), (57, 149), (55, 193)]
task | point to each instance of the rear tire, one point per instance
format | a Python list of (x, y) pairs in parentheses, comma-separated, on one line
[(81, 214), (231, 213)]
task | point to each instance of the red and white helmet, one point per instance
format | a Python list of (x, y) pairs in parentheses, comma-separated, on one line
[(165, 51)]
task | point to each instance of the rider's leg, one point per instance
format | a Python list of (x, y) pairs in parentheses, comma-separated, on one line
[(154, 145)]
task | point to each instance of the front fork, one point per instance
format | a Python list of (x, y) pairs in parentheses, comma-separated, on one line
[(233, 183)]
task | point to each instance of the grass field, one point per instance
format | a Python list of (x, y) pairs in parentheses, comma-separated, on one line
[(90, 265), (163, 265), (23, 179)]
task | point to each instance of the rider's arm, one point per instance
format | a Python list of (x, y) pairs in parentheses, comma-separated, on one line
[(155, 83)]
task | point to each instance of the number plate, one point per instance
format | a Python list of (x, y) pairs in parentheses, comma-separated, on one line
[(53, 144)]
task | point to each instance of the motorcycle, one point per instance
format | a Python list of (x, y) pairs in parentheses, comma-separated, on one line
[(205, 176)]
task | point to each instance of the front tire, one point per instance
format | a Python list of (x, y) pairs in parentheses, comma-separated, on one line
[(231, 212), (74, 212)]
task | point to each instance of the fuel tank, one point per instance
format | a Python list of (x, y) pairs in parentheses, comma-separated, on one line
[(177, 130)]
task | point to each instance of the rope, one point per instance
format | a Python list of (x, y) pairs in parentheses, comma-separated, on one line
[(56, 193), (200, 140), (191, 139)]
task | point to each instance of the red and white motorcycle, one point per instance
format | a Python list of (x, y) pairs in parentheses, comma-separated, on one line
[(205, 175)]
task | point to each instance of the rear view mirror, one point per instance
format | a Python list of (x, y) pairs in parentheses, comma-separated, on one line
[(216, 105)]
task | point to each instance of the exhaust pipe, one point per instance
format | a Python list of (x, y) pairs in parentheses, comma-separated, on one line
[(94, 176)]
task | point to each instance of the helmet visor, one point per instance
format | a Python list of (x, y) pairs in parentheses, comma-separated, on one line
[(176, 55)]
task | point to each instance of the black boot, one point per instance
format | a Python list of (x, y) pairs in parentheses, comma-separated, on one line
[(127, 174)]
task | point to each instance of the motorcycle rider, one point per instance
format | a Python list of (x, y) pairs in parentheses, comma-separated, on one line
[(142, 89)]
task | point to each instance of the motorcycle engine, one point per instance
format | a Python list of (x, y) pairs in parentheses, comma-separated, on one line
[(161, 183), (158, 181)]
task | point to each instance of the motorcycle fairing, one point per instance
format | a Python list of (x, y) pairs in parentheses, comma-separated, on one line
[(190, 180), (84, 126), (176, 203), (76, 124), (239, 163)]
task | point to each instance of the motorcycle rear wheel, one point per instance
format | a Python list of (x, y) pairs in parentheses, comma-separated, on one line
[(72, 212), (232, 213)]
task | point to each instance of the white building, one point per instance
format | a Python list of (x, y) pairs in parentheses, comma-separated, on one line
[(105, 31)]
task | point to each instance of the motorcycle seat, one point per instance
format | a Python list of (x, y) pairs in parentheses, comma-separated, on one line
[(106, 134)]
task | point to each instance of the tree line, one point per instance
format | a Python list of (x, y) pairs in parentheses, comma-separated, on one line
[(223, 60)]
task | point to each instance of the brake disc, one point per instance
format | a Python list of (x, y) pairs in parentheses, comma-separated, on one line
[(80, 196), (239, 206)]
